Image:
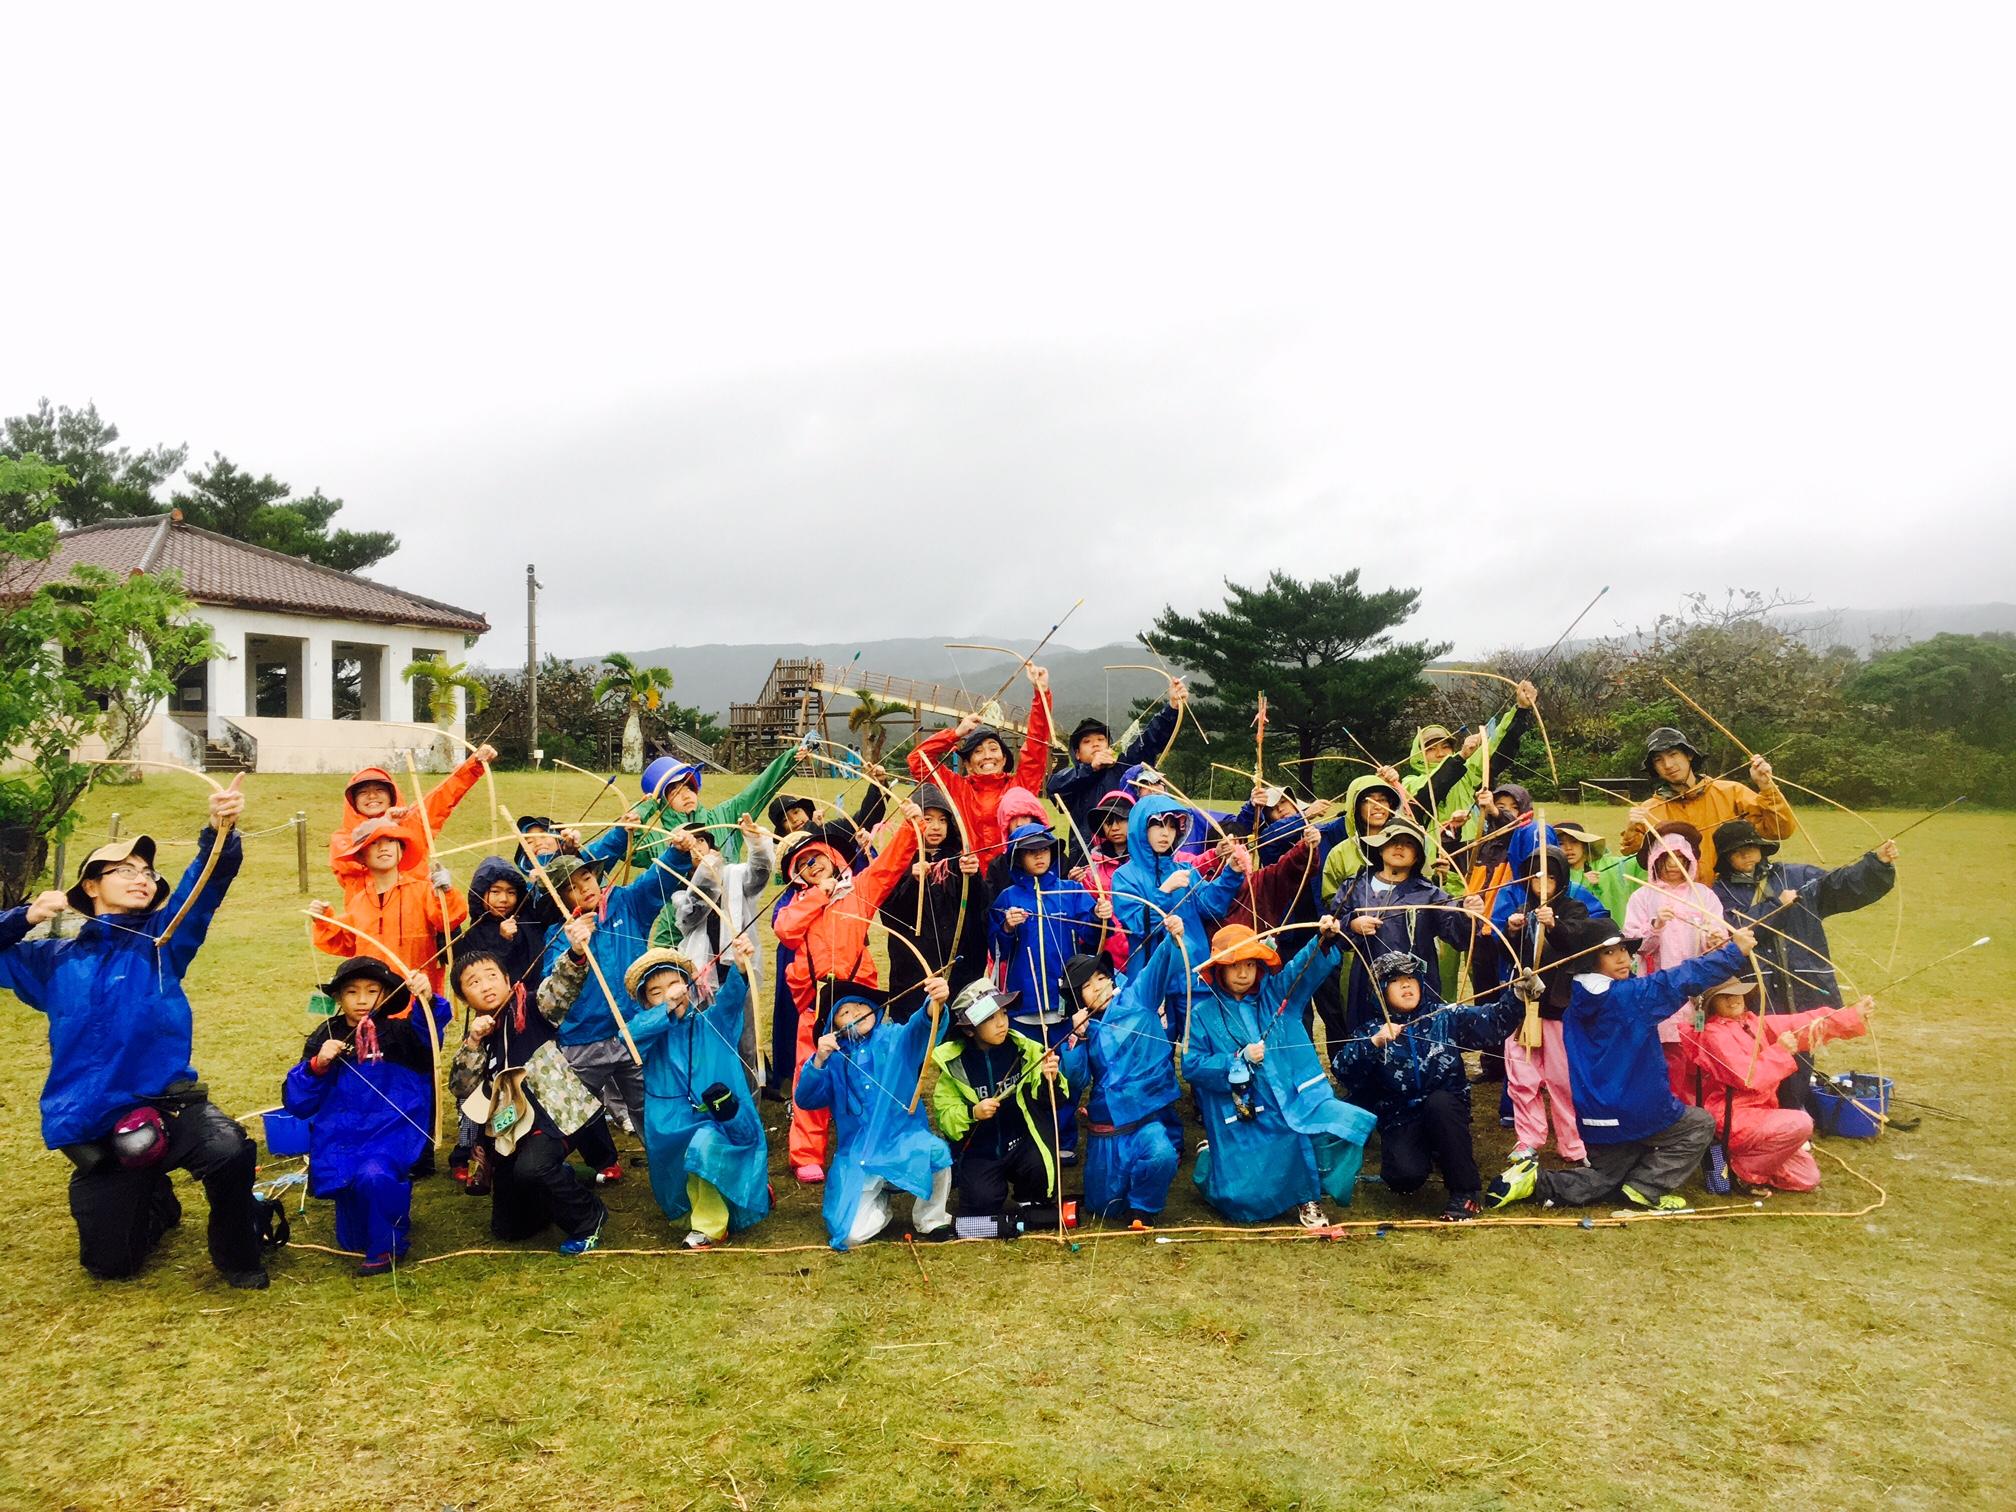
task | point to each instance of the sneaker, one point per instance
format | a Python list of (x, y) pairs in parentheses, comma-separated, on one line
[(1672, 1202), (809, 1175), (1203, 1145), (422, 1168), (588, 1241), (377, 1265), (1521, 1153), (609, 1175), (1067, 1157), (1312, 1216), (697, 1240), (1139, 1222), (1514, 1184), (478, 1182), (248, 1280), (458, 1169), (939, 1235), (1461, 1209)]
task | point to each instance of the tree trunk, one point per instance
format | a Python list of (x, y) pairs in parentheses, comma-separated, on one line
[(633, 743), (23, 854)]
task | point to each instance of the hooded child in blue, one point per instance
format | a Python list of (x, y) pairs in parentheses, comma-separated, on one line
[(1387, 906), (702, 1133), (1038, 922), (507, 920), (1158, 870), (865, 1070), (1137, 1133), (1144, 781), (365, 1086), (1409, 1072), (1279, 1137)]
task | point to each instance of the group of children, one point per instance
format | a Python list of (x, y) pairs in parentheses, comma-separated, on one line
[(1056, 997)]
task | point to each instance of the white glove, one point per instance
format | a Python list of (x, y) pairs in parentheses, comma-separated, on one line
[(439, 877)]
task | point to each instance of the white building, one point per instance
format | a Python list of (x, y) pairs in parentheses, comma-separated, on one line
[(309, 679)]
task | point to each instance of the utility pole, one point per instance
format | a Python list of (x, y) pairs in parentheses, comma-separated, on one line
[(532, 659)]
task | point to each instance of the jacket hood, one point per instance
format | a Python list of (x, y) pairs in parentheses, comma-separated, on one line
[(815, 848), (783, 803), (1371, 782), (490, 871), (1671, 845), (1521, 844), (928, 795), (1521, 799), (369, 774), (1147, 809), (1019, 806), (1417, 759)]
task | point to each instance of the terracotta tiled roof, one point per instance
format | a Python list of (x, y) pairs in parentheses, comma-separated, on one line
[(218, 570)]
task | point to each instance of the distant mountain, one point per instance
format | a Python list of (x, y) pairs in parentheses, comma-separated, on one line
[(713, 676), (1866, 631)]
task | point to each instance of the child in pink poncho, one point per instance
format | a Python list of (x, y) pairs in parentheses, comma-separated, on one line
[(1678, 919), (1741, 1064)]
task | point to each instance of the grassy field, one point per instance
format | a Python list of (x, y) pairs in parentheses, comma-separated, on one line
[(1846, 1361)]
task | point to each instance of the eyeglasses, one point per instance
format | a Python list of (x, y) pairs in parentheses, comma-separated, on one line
[(127, 872)]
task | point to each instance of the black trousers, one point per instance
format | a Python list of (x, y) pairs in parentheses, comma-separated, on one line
[(986, 1184), (534, 1186), (1437, 1139), (121, 1214)]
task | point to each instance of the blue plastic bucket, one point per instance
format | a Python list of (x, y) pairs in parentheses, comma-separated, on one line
[(1847, 1105), (285, 1134)]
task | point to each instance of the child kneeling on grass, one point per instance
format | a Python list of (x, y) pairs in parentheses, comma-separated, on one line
[(1409, 1072), (702, 1133), (996, 1102), (532, 1108), (1642, 1140), (365, 1086), (864, 1071), (1277, 1137), (1739, 1074), (1137, 1133)]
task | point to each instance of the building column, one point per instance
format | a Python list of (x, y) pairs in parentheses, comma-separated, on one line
[(318, 655), (228, 675)]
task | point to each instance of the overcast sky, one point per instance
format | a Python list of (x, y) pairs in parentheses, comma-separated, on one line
[(864, 321)]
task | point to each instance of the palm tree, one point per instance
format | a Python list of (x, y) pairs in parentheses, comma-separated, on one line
[(442, 678), (641, 688), (871, 715)]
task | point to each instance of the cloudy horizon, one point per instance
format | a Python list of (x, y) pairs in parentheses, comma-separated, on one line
[(813, 326)]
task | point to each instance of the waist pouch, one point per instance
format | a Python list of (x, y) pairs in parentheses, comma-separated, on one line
[(179, 1097)]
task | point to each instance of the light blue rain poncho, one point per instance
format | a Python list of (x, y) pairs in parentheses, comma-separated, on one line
[(867, 1085), (1200, 903), (684, 1055), (1137, 1134), (1301, 1141)]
